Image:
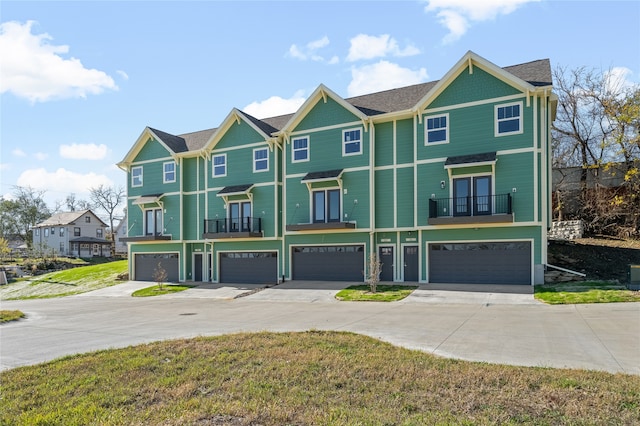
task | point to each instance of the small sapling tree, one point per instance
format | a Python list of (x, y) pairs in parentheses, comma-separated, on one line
[(373, 272), (160, 276)]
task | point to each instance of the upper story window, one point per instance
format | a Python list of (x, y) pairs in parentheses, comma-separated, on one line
[(326, 206), (37, 232), (136, 176), (300, 149), (260, 160), (437, 129), (62, 232), (99, 233), (169, 172), (351, 142), (76, 232), (508, 119), (53, 231), (46, 232), (219, 165), (87, 219)]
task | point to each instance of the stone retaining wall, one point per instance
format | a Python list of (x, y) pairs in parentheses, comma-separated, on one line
[(566, 230)]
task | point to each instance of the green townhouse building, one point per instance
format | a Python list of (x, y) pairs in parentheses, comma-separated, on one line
[(447, 182)]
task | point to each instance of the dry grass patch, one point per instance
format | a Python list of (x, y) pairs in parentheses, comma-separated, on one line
[(6, 316), (305, 378)]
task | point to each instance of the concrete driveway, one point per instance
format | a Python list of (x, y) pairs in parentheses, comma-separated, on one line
[(497, 325)]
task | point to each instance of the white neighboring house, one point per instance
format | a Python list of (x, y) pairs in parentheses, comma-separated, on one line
[(120, 232), (80, 233)]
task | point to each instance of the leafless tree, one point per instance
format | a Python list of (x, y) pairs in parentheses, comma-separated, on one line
[(107, 199)]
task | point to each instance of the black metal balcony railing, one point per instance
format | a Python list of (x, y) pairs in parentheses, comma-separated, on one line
[(486, 205), (251, 225)]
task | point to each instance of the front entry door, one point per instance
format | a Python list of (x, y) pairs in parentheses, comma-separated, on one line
[(410, 263), (197, 267), (385, 256)]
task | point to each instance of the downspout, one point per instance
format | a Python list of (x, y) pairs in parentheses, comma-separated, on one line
[(372, 191)]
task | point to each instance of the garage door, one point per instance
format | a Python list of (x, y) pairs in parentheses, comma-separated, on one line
[(328, 263), (480, 263), (249, 268), (146, 265)]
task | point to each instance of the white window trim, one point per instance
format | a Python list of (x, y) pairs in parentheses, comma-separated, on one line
[(164, 172), (344, 143), (426, 130), (213, 165), (293, 150), (133, 183), (496, 121), (261, 159)]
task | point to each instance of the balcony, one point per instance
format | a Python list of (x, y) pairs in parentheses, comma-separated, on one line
[(464, 210), (147, 237), (246, 227), (320, 226)]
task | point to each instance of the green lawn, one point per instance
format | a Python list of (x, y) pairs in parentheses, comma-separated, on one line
[(384, 293), (585, 292), (311, 378), (156, 291), (6, 316), (64, 283)]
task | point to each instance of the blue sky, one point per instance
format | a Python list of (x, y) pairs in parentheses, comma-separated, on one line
[(79, 81)]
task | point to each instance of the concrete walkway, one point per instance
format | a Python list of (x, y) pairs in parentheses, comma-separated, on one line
[(494, 326)]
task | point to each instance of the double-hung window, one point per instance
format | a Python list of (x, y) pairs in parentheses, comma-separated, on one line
[(300, 149), (508, 119), (260, 159), (99, 232), (326, 206), (76, 232), (136, 176), (219, 165), (169, 172), (153, 221), (437, 129), (351, 142)]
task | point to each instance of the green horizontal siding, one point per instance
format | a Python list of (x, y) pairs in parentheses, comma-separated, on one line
[(152, 150), (405, 202), (384, 144), (404, 141), (472, 87), (325, 114), (384, 198)]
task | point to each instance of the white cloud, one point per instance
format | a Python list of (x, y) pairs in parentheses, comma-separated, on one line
[(41, 156), (123, 74), (61, 180), (19, 153), (310, 51), (617, 79), (5, 166), (34, 69), (89, 151), (458, 15), (275, 106), (368, 47), (383, 75)]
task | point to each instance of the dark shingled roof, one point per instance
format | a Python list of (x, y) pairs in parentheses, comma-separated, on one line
[(175, 143), (235, 189), (537, 73), (329, 174), (473, 158)]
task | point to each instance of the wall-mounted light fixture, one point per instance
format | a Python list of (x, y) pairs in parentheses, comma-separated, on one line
[(442, 184)]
